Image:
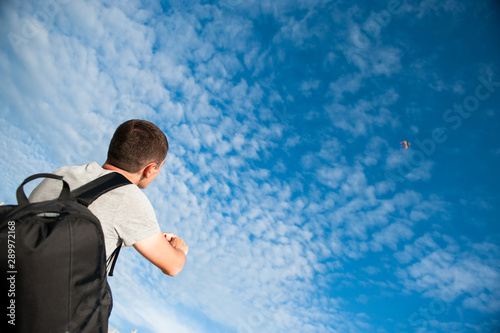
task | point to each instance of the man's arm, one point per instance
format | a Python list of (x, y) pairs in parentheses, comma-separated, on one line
[(167, 255)]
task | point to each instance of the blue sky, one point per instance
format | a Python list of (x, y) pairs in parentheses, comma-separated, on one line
[(285, 174)]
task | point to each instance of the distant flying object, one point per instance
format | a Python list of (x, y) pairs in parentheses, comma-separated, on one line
[(404, 144)]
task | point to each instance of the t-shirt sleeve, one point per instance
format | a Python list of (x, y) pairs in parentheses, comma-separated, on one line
[(135, 218)]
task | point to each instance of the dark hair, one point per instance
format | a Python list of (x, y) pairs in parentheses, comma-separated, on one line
[(135, 144)]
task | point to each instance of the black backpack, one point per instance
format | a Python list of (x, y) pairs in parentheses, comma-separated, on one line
[(53, 261)]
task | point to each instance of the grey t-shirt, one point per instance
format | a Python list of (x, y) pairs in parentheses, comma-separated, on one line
[(125, 213)]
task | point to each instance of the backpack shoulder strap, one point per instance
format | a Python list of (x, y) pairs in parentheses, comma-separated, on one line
[(111, 261), (89, 192)]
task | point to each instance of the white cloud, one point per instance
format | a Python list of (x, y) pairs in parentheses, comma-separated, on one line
[(350, 83), (308, 86), (390, 236), (364, 116), (449, 272), (433, 7)]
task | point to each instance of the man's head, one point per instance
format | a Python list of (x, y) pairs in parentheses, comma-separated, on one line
[(136, 145)]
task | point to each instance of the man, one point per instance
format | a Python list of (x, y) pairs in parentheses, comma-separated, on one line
[(137, 150)]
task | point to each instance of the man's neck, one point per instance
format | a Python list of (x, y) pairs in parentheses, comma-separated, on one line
[(133, 178)]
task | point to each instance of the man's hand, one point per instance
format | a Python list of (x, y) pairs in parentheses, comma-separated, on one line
[(176, 242), (169, 236)]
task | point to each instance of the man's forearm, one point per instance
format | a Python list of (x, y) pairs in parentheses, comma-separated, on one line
[(177, 264)]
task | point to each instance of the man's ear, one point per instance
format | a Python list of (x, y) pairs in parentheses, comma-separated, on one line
[(148, 170)]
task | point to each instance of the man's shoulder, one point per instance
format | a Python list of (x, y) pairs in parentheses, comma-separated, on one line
[(130, 195), (127, 203), (77, 176)]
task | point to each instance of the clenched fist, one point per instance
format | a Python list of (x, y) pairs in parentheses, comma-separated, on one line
[(176, 242)]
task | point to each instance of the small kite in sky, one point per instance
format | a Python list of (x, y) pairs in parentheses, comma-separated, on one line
[(404, 144)]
